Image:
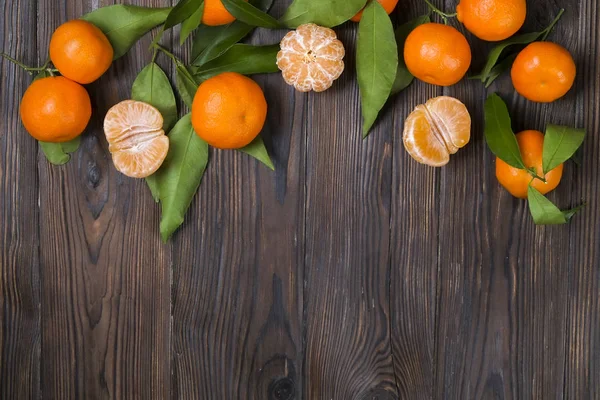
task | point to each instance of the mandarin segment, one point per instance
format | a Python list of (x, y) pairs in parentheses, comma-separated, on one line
[(436, 129), (136, 140), (311, 58)]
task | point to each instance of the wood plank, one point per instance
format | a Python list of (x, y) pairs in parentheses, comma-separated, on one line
[(238, 296), (19, 217), (106, 286), (502, 292), (414, 246), (348, 352), (582, 380)]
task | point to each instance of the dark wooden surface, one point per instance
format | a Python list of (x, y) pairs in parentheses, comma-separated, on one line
[(349, 273)]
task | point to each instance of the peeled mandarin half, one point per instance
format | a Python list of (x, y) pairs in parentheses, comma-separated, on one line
[(136, 139), (436, 129)]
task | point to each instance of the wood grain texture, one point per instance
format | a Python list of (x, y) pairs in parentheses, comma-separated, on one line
[(237, 265), (348, 354), (582, 364), (106, 275), (414, 246), (19, 217)]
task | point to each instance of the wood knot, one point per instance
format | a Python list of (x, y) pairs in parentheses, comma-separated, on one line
[(282, 389), (94, 175)]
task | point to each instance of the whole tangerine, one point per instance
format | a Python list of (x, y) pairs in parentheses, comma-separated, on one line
[(216, 14), (388, 6), (80, 51), (229, 111), (515, 180), (492, 20), (543, 72), (55, 109), (437, 54)]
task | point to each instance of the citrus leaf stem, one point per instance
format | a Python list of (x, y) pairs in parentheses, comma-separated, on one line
[(439, 12), (29, 70)]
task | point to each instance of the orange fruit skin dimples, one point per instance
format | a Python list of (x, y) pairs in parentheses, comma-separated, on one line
[(437, 54), (229, 111), (80, 51), (55, 109), (436, 129), (492, 20)]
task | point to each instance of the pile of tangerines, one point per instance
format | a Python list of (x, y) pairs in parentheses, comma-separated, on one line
[(229, 110)]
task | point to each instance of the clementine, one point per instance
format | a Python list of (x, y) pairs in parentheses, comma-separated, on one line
[(135, 137), (388, 6), (516, 180), (229, 110), (216, 14), (436, 129), (492, 20), (437, 54), (543, 72), (311, 58), (55, 109), (80, 51)]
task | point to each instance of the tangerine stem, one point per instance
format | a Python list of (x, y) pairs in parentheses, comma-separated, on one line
[(549, 28), (439, 12), (534, 175), (166, 52), (20, 64)]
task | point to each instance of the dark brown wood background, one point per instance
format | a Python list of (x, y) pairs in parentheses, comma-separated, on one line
[(351, 272)]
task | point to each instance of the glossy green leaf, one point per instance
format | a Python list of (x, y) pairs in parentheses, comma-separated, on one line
[(328, 13), (180, 175), (152, 86), (560, 143), (212, 41), (186, 85), (182, 11), (376, 62), (403, 76), (249, 14), (241, 58), (58, 153), (526, 38), (124, 25), (500, 68), (190, 24), (499, 135), (543, 211), (258, 150)]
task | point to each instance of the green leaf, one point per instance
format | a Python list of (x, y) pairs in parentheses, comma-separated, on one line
[(569, 214), (249, 14), (212, 41), (376, 63), (403, 76), (241, 58), (327, 13), (190, 24), (543, 211), (58, 153), (526, 38), (500, 68), (182, 11), (498, 132), (152, 86), (186, 85), (180, 175), (124, 25), (560, 143), (258, 150)]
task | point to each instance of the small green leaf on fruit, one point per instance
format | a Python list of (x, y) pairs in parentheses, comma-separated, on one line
[(560, 144), (499, 135)]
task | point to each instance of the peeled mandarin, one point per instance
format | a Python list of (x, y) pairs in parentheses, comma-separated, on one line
[(436, 129)]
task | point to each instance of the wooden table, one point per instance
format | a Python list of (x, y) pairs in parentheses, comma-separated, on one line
[(351, 272)]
